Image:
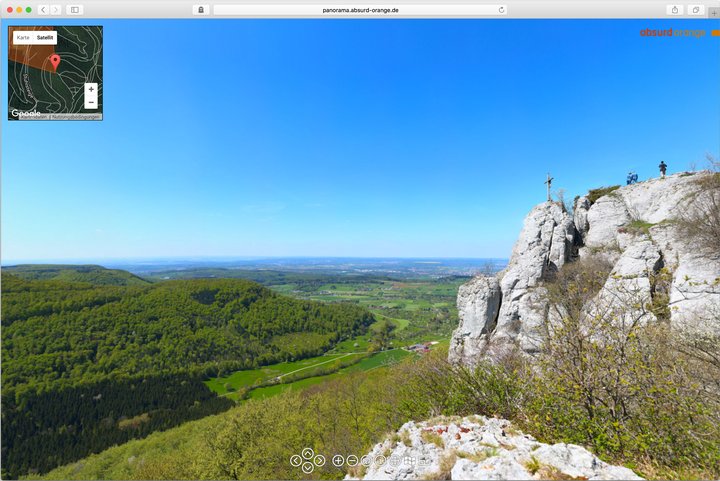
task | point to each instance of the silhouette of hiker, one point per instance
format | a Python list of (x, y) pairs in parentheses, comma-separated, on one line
[(663, 168), (632, 178), (629, 178)]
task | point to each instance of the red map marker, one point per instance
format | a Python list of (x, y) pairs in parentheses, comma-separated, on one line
[(55, 60)]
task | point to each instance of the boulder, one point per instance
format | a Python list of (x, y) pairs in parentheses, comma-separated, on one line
[(478, 305)]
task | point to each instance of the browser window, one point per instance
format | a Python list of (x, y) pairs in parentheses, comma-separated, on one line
[(351, 240)]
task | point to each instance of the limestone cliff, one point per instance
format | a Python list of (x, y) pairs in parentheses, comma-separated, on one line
[(633, 227)]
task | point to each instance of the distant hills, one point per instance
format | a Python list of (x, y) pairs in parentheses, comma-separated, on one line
[(92, 274)]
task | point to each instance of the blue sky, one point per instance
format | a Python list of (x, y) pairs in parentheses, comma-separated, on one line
[(350, 138)]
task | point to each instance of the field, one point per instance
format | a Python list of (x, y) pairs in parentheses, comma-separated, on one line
[(241, 381), (273, 379), (377, 360), (420, 309)]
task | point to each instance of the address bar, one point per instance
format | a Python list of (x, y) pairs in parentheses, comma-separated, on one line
[(360, 10)]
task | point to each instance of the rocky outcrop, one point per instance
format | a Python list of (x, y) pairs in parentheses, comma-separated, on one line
[(511, 313), (479, 305), (580, 215), (633, 227), (479, 448)]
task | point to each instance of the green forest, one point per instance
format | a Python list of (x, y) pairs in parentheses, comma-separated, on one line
[(77, 273), (100, 359)]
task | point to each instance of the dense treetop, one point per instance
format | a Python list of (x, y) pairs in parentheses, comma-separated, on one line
[(58, 332), (76, 273)]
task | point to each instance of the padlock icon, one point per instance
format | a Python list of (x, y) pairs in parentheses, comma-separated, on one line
[(201, 9)]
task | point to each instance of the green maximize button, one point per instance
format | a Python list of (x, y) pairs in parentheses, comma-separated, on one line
[(28, 10)]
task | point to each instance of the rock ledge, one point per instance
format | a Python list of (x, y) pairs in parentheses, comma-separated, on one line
[(479, 448)]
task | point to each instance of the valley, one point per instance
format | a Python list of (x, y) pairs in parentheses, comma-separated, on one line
[(419, 304), (106, 332)]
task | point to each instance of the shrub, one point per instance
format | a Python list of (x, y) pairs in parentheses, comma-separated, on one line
[(610, 378), (637, 227), (432, 387), (595, 194), (701, 220)]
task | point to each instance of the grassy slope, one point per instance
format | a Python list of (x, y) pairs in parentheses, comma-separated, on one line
[(118, 462)]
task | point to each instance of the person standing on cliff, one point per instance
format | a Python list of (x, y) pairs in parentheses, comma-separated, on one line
[(663, 168)]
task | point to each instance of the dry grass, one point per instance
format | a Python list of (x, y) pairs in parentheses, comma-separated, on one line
[(445, 469), (547, 472), (358, 471), (478, 457), (405, 438), (512, 431), (552, 473), (533, 465), (434, 438)]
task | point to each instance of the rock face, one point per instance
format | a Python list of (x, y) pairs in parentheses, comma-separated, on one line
[(503, 308), (479, 305), (632, 227), (479, 448)]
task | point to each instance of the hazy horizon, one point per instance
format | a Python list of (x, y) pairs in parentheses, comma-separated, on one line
[(225, 259)]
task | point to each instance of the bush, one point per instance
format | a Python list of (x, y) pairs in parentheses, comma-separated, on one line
[(611, 378), (595, 194), (701, 221), (433, 387)]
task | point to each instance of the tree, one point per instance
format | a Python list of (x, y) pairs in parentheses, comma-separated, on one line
[(382, 335)]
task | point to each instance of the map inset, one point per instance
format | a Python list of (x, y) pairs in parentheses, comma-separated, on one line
[(55, 73)]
